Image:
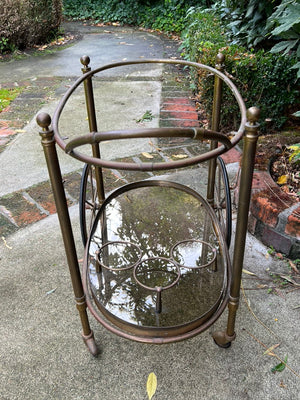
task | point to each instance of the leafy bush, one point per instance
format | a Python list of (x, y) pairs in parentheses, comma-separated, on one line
[(264, 79), (245, 21), (263, 23), (105, 11), (28, 22), (286, 23), (166, 15)]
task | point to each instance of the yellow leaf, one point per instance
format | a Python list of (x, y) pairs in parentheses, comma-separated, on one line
[(249, 272), (147, 155), (282, 180), (151, 385), (179, 156)]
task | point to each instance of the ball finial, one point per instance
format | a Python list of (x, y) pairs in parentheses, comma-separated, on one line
[(220, 58), (253, 114), (85, 60), (44, 120)]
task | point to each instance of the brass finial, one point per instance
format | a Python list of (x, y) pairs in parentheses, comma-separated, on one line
[(85, 60), (253, 114), (44, 120), (220, 58)]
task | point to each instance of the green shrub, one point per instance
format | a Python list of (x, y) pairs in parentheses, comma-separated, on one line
[(269, 24), (28, 22), (264, 79), (126, 12), (246, 21), (285, 22), (166, 15)]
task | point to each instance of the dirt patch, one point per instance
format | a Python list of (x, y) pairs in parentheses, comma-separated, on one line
[(273, 156), (58, 44)]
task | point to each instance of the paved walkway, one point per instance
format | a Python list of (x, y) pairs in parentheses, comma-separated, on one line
[(42, 355)]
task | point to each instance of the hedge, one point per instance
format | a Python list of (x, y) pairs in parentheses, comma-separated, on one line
[(25, 23)]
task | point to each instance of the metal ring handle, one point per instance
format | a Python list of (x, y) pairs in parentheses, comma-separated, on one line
[(148, 166)]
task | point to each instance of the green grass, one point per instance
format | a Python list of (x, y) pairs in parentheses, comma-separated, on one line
[(8, 95)]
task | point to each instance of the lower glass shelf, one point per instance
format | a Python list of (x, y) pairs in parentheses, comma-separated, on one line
[(156, 263)]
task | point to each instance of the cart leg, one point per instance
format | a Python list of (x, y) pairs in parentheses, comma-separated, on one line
[(48, 143), (224, 339), (87, 334)]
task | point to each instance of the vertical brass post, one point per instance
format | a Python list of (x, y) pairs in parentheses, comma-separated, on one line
[(90, 105), (48, 143), (215, 124), (224, 339)]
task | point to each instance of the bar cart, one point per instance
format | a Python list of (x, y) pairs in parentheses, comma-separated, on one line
[(156, 267)]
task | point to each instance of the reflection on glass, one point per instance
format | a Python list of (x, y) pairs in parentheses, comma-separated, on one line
[(118, 256), (163, 223)]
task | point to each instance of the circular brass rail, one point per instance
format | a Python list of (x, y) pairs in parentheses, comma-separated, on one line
[(194, 133)]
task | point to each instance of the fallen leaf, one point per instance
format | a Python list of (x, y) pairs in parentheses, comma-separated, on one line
[(279, 255), (147, 155), (179, 156), (249, 272), (270, 349), (288, 279), (156, 148), (148, 116), (20, 130), (9, 247), (282, 179), (279, 367), (151, 385), (293, 266)]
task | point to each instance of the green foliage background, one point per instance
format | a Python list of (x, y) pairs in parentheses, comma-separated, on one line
[(260, 39), (165, 15), (265, 79)]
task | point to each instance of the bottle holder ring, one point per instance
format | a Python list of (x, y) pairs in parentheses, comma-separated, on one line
[(160, 277), (112, 255), (206, 254)]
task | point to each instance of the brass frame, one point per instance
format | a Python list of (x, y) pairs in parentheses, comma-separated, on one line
[(247, 129)]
